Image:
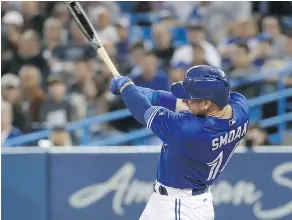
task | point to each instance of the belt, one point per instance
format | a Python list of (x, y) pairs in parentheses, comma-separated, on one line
[(195, 192)]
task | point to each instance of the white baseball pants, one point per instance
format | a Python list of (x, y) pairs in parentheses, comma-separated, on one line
[(179, 205)]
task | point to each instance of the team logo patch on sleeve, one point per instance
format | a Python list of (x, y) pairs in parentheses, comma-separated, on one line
[(161, 113), (232, 122)]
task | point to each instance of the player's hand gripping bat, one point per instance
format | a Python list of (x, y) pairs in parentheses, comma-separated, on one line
[(89, 32)]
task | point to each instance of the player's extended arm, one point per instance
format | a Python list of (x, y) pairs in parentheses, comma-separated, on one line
[(135, 100), (164, 125), (163, 99)]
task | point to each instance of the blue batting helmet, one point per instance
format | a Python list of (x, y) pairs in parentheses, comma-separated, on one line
[(204, 83)]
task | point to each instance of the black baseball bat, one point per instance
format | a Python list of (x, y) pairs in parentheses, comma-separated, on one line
[(89, 32)]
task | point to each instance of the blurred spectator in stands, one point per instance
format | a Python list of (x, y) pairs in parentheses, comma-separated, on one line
[(111, 6), (52, 40), (136, 58), (199, 55), (12, 25), (103, 23), (5, 6), (31, 54), (177, 71), (32, 94), (83, 81), (241, 32), (256, 136), (151, 76), (10, 88), (76, 49), (243, 67), (263, 52), (79, 104), (56, 109), (241, 62), (8, 131), (60, 137), (107, 102), (182, 11), (219, 16), (105, 77), (61, 12), (123, 44), (47, 8), (167, 19), (196, 35), (271, 28), (288, 49), (271, 82), (32, 16), (90, 86), (163, 47)]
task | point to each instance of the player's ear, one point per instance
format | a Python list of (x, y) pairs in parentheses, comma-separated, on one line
[(208, 103)]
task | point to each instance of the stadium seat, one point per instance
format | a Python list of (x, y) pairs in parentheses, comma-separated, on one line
[(275, 139), (147, 33), (145, 18), (126, 6), (179, 36), (255, 113)]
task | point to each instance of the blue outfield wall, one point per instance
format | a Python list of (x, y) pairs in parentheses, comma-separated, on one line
[(24, 186), (115, 183)]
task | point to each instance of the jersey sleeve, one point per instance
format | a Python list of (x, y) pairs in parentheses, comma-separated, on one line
[(241, 101), (166, 124)]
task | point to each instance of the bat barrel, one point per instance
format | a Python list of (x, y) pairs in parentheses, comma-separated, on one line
[(88, 30)]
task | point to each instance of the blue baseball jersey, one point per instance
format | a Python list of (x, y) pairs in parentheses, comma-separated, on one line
[(195, 150)]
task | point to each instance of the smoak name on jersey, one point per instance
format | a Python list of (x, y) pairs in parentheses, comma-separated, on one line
[(233, 135), (196, 149)]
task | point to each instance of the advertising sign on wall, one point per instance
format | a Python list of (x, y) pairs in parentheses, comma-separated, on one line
[(113, 185)]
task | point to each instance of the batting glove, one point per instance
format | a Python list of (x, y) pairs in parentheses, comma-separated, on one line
[(117, 83)]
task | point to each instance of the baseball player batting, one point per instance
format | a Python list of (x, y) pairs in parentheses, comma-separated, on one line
[(197, 142)]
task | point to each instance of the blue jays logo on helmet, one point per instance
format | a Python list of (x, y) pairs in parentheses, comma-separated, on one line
[(205, 83)]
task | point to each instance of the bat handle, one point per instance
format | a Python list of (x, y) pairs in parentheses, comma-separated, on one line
[(104, 56)]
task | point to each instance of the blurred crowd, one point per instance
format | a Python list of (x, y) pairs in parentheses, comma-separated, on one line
[(51, 75)]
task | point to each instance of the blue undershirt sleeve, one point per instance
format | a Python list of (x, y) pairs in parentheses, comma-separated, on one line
[(159, 98), (163, 122), (166, 100)]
